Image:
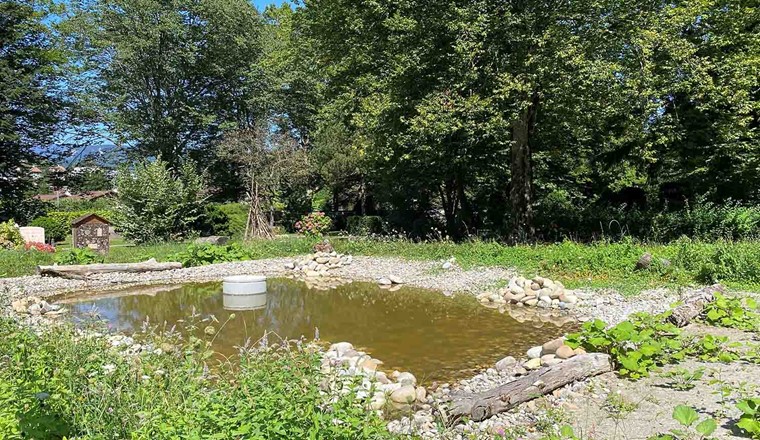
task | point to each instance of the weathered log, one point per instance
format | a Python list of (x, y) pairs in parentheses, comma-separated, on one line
[(682, 315), (480, 406), (80, 271)]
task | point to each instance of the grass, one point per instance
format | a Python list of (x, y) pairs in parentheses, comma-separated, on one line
[(56, 384), (596, 265)]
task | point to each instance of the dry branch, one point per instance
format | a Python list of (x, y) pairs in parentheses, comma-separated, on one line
[(480, 406)]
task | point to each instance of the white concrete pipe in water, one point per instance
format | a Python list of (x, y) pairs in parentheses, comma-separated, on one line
[(244, 285)]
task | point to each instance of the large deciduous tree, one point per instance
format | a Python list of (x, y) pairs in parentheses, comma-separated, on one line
[(29, 108), (168, 77)]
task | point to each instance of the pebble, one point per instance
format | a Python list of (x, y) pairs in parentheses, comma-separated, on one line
[(533, 364), (384, 282), (506, 363), (552, 346), (406, 394), (395, 279), (565, 352), (535, 352)]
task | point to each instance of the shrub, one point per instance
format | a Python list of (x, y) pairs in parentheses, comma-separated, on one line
[(10, 236), (203, 254), (314, 224), (213, 221), (155, 203), (56, 227), (364, 225), (237, 217), (79, 256)]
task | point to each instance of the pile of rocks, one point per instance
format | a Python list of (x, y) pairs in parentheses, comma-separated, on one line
[(319, 263), (551, 353), (34, 306), (538, 292), (395, 391)]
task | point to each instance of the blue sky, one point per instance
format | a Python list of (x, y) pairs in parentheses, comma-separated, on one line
[(261, 4)]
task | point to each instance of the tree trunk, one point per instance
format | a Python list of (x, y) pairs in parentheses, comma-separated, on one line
[(81, 271), (682, 315), (480, 406), (521, 192)]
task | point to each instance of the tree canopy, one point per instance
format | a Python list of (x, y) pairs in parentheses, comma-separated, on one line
[(522, 119)]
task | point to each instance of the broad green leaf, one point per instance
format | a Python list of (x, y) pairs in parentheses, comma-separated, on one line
[(706, 427), (685, 415)]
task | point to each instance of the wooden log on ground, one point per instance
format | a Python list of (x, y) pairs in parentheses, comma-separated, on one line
[(694, 305), (82, 271), (480, 406)]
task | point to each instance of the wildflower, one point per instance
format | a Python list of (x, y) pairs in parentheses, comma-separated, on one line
[(109, 368)]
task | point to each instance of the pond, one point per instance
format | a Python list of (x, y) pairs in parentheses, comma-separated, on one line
[(436, 337)]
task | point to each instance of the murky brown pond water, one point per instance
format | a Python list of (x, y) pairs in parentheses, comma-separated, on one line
[(422, 331)]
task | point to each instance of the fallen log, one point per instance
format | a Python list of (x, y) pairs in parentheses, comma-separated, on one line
[(682, 315), (480, 406), (81, 271)]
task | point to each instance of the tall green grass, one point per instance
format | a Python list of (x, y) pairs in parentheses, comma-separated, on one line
[(57, 384)]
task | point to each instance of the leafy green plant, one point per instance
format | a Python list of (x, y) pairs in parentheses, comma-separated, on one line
[(712, 348), (203, 254), (749, 422), (691, 427), (10, 236), (683, 379), (636, 347), (78, 256), (732, 313)]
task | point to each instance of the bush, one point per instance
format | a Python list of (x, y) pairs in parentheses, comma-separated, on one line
[(79, 256), (213, 221), (155, 203), (56, 227), (58, 384), (314, 224), (57, 224), (237, 217), (364, 225), (203, 254), (10, 236)]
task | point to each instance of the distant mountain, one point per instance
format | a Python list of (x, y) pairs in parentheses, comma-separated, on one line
[(104, 154)]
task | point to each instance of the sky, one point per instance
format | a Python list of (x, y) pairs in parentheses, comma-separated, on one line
[(261, 4)]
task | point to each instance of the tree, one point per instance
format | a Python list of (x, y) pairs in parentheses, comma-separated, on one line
[(268, 162), (157, 203), (167, 77), (29, 109)]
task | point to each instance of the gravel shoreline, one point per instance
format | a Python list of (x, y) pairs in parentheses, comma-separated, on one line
[(608, 306)]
